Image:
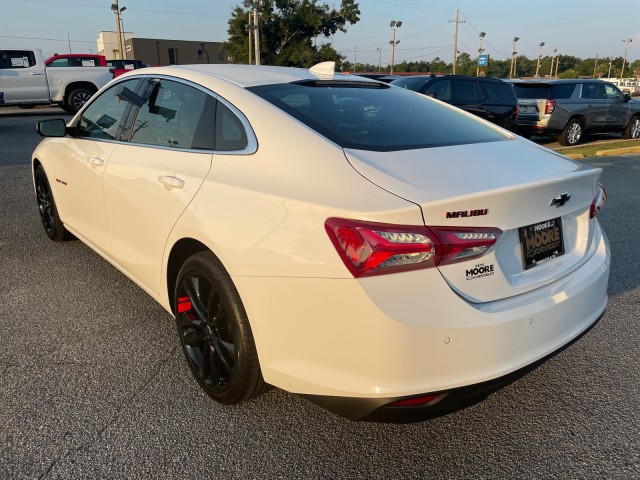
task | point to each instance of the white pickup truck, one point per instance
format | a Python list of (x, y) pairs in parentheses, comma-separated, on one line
[(25, 81)]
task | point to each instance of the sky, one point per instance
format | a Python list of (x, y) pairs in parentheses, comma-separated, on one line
[(582, 28)]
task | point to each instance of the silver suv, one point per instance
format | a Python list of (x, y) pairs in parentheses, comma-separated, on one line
[(571, 108)]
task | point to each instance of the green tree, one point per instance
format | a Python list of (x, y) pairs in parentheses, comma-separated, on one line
[(289, 30)]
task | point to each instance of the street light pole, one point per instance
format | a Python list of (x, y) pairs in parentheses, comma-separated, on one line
[(624, 60), (116, 9), (539, 55), (553, 57), (394, 26), (595, 66), (512, 70), (480, 50), (124, 36), (379, 58)]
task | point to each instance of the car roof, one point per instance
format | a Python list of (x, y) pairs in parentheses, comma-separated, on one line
[(253, 75), (560, 81)]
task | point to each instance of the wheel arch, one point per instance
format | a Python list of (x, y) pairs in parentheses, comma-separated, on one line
[(181, 250), (72, 86)]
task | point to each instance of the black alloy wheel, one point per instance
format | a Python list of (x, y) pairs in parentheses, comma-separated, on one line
[(214, 332), (51, 222), (78, 98)]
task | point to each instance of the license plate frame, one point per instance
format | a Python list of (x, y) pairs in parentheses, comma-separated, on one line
[(541, 242)]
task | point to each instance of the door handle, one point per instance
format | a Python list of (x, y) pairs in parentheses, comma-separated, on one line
[(36, 73), (96, 161), (170, 181)]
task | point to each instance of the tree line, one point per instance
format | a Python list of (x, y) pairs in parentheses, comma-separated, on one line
[(290, 29), (567, 66)]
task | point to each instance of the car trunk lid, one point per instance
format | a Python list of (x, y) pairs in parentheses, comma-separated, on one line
[(510, 185)]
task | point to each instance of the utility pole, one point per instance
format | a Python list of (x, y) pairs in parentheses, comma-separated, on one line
[(557, 63), (116, 9), (394, 26), (512, 70), (256, 42), (250, 35), (355, 58), (379, 58), (553, 57), (595, 66), (480, 50), (455, 38)]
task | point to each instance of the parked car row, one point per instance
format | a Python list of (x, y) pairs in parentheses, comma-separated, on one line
[(568, 109)]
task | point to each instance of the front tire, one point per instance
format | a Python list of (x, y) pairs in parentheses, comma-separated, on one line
[(572, 133), (214, 332), (53, 226), (633, 129)]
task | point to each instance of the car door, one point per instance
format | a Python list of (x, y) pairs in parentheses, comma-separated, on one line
[(593, 106), (23, 81), (618, 111), (467, 96), (78, 178), (150, 180)]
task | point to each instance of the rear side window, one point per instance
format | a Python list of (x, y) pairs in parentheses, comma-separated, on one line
[(410, 83), (59, 62), (376, 118), (532, 90), (17, 59), (466, 90), (499, 91), (561, 91), (593, 91)]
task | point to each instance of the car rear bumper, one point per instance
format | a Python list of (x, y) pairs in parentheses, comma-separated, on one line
[(366, 341)]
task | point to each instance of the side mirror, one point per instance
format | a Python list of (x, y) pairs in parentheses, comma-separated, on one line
[(627, 97), (52, 128)]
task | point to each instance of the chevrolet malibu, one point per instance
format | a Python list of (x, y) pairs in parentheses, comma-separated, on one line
[(379, 252)]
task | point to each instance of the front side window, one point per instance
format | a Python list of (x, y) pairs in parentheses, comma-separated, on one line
[(612, 93), (466, 91), (175, 115), (440, 89), (375, 117), (593, 91), (102, 118)]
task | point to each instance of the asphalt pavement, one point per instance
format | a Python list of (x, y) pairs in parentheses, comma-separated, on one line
[(93, 383)]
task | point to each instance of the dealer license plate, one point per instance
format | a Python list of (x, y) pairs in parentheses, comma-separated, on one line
[(541, 242)]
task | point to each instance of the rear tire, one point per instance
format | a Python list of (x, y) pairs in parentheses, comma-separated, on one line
[(77, 98), (214, 332), (572, 133), (633, 129), (53, 226)]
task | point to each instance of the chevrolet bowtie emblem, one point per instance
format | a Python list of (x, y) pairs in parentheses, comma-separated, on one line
[(560, 200)]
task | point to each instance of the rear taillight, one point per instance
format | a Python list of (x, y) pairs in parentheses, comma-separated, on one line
[(549, 106), (368, 248), (598, 201)]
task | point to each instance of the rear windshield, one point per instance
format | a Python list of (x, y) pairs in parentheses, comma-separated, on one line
[(378, 117), (557, 91)]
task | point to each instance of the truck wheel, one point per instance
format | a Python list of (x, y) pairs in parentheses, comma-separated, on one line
[(77, 98)]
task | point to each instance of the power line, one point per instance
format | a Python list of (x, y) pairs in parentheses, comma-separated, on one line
[(170, 12)]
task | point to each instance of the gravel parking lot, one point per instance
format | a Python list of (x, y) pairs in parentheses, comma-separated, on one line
[(93, 383)]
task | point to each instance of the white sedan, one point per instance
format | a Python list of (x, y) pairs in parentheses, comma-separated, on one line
[(379, 252)]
